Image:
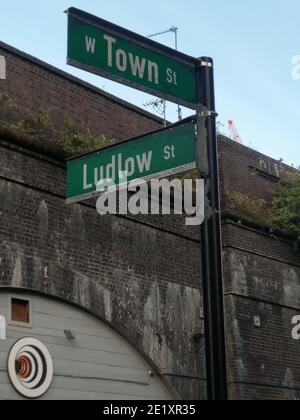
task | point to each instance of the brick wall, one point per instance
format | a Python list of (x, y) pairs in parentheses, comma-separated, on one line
[(36, 86), (262, 279), (149, 289), (247, 171), (143, 275)]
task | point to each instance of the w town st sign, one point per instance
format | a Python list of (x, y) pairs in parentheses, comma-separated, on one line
[(108, 50)]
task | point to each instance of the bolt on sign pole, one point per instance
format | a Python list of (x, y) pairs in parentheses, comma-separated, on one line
[(213, 295)]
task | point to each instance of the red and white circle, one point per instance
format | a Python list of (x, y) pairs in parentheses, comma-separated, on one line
[(30, 367)]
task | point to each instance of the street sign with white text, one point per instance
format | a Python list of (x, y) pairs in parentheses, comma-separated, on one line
[(103, 48), (162, 153)]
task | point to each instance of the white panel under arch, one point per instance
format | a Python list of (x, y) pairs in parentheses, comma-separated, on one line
[(97, 364)]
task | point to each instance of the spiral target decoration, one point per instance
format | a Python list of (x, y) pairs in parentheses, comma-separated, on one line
[(30, 367)]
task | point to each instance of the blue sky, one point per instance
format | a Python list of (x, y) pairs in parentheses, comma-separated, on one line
[(252, 43)]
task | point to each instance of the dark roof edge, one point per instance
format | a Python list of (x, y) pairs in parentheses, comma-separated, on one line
[(76, 80)]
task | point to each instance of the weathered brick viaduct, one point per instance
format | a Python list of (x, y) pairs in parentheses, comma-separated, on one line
[(143, 275)]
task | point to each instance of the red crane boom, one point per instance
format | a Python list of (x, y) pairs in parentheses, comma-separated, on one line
[(234, 132)]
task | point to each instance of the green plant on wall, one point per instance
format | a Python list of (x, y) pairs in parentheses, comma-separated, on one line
[(7, 104), (249, 209), (72, 136), (285, 215), (281, 216), (76, 138), (38, 125)]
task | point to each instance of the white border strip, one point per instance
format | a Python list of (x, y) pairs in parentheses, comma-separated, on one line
[(2, 67)]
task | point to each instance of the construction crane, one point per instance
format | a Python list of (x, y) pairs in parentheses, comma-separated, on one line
[(234, 134)]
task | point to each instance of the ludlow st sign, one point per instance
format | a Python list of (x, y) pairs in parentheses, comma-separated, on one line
[(165, 152), (120, 55)]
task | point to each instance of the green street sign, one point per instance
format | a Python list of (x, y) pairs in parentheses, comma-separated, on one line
[(100, 47), (159, 154)]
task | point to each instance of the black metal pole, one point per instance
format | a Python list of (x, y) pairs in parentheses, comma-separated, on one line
[(213, 294)]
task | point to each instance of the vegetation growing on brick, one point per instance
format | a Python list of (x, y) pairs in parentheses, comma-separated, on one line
[(248, 209), (285, 215), (72, 137), (6, 103), (76, 138), (282, 215)]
